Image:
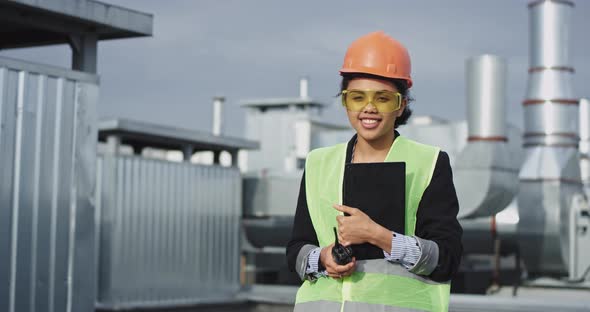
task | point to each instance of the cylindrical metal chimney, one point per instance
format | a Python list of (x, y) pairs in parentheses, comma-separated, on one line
[(486, 173), (486, 98), (550, 106), (303, 88), (217, 114), (550, 176)]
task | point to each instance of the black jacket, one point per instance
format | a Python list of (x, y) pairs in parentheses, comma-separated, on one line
[(436, 220)]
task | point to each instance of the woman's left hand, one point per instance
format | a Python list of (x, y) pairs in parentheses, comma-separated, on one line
[(355, 229)]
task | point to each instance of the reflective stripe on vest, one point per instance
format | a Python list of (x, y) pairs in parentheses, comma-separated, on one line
[(376, 284)]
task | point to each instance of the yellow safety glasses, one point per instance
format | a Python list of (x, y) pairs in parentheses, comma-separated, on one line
[(385, 101)]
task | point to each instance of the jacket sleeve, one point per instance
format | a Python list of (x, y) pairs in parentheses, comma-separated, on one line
[(436, 221), (303, 238)]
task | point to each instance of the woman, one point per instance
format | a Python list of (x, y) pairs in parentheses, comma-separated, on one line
[(413, 272)]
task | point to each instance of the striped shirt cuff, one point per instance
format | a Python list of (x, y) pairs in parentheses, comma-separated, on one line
[(405, 250), (313, 260)]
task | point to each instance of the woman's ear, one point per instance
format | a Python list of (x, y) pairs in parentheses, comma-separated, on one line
[(400, 111)]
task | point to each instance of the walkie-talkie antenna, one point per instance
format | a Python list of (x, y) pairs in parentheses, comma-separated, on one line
[(342, 255)]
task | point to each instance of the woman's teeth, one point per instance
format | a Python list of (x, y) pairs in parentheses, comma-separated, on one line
[(370, 123)]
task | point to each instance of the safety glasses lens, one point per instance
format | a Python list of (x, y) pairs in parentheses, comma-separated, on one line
[(385, 101)]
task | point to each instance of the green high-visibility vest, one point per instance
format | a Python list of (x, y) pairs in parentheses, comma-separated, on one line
[(376, 285)]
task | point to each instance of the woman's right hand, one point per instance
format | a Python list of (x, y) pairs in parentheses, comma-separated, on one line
[(334, 269)]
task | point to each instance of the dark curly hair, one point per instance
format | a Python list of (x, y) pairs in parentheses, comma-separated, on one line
[(400, 84)]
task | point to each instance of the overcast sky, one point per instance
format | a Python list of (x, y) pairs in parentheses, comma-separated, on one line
[(256, 49)]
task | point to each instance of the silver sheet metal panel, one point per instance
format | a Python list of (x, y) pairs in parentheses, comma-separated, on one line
[(169, 232), (47, 177)]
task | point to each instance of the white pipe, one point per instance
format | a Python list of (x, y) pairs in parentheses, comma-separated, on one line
[(584, 146), (585, 126), (217, 114), (303, 88), (573, 241)]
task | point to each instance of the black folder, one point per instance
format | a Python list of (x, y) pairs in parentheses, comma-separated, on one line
[(378, 189)]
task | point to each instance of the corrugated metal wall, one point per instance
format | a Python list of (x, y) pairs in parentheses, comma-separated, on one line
[(169, 233), (47, 177)]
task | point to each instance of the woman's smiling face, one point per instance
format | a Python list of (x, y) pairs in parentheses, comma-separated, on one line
[(370, 124)]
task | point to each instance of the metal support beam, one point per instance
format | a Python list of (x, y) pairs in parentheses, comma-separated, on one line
[(84, 52), (234, 158), (187, 152), (216, 155), (137, 150)]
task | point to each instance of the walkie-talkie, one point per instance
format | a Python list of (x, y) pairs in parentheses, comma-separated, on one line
[(342, 255)]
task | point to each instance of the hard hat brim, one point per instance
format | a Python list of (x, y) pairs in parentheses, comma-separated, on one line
[(374, 72)]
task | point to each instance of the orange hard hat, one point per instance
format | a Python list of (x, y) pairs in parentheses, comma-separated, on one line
[(378, 54)]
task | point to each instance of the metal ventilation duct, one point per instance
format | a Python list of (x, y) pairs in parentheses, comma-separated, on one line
[(486, 174), (486, 98), (550, 180)]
